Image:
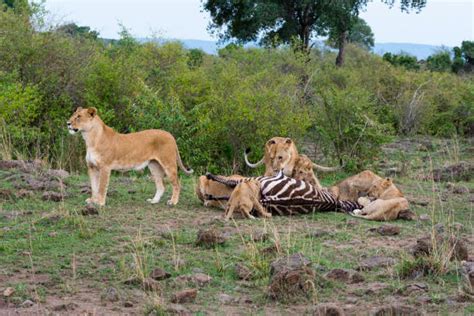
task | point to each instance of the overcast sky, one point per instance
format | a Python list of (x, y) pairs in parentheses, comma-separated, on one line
[(441, 22)]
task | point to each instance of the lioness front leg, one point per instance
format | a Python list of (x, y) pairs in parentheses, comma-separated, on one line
[(94, 181), (104, 176)]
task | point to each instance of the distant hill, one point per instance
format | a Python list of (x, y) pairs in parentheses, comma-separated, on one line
[(421, 51)]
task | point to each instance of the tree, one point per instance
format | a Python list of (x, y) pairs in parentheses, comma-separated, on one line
[(74, 30), (360, 34), (440, 61), (403, 59), (276, 21)]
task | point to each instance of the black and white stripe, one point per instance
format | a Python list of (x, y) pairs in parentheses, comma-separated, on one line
[(282, 195)]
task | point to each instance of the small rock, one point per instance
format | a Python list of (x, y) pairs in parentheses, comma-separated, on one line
[(176, 309), (52, 234), (22, 193), (467, 273), (8, 292), (424, 246), (415, 288), (57, 173), (328, 310), (243, 273), (259, 236), (159, 274), (287, 285), (344, 275), (85, 190), (197, 270), (111, 295), (127, 304), (201, 279), (461, 190), (439, 228), (375, 262), (151, 285), (27, 303), (387, 230), (375, 288), (6, 194), (184, 296), (52, 196), (209, 238), (395, 310), (419, 202), (90, 209), (457, 227), (65, 307), (407, 215), (226, 299), (424, 217), (318, 233), (292, 262), (270, 250)]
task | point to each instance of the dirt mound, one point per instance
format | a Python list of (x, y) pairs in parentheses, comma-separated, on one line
[(454, 247), (292, 285), (292, 262), (209, 238)]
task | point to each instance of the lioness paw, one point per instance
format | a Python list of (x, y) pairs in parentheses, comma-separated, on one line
[(170, 203), (153, 201)]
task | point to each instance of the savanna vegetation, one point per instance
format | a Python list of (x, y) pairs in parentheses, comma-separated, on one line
[(216, 106), (395, 114)]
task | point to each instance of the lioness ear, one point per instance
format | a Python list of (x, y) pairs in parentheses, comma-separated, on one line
[(92, 111), (79, 108), (271, 142), (288, 141)]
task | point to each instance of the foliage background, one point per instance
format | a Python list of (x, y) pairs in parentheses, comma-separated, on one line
[(216, 106)]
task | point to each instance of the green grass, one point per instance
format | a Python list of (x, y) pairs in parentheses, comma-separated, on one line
[(79, 254)]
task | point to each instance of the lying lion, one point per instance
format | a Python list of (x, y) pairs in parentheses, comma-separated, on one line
[(281, 154), (108, 150), (245, 198), (384, 202), (207, 191)]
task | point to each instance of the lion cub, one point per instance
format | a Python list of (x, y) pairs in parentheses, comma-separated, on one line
[(245, 198), (303, 170), (384, 202), (213, 193)]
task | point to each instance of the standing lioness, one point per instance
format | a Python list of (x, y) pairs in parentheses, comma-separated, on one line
[(108, 150)]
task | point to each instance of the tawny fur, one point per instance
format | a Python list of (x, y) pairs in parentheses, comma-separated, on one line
[(354, 186), (388, 203), (281, 154), (108, 150), (303, 170), (206, 187), (245, 198)]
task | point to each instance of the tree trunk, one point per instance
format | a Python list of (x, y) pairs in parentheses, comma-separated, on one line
[(342, 47)]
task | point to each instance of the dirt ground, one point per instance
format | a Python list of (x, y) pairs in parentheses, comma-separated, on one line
[(131, 258)]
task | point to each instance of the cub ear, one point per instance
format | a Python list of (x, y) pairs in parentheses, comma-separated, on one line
[(387, 182), (288, 141), (92, 111), (79, 108)]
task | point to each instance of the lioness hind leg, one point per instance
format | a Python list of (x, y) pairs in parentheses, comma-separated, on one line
[(157, 173), (173, 176)]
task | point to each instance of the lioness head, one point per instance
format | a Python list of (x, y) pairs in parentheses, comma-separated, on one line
[(282, 153), (81, 120), (379, 187), (303, 170)]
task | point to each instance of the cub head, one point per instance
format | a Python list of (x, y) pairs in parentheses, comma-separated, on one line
[(82, 120), (282, 153), (303, 170), (379, 187)]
